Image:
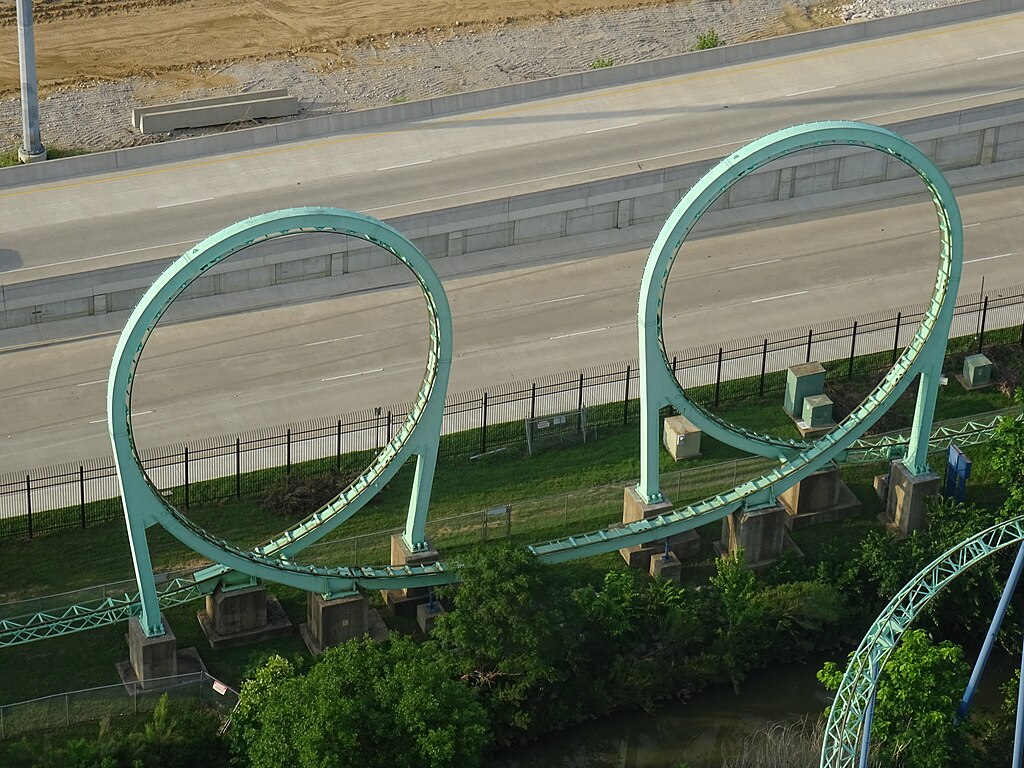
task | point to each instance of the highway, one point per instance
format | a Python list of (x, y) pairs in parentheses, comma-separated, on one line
[(64, 227), (519, 313)]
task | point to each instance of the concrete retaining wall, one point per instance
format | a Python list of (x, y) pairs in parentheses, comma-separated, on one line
[(296, 130), (987, 138)]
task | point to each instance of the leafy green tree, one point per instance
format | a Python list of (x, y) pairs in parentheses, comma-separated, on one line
[(1008, 458), (362, 704), (916, 700), (516, 635)]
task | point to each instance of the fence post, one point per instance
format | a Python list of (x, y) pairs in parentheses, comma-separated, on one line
[(853, 346), (533, 392), (718, 379), (28, 501), (981, 330), (288, 453), (764, 366), (337, 462), (625, 398), (186, 477), (238, 467), (483, 429), (81, 492), (896, 339), (810, 337), (389, 426), (67, 710), (579, 405)]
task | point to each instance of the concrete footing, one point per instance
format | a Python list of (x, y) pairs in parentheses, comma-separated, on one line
[(403, 602), (152, 660), (820, 497), (235, 617), (760, 533), (333, 622), (426, 615), (666, 567), (905, 504), (634, 508)]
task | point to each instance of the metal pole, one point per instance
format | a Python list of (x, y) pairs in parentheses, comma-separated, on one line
[(993, 632), (533, 398), (896, 339), (389, 426), (81, 492), (288, 453), (1018, 731), (338, 453), (32, 148), (186, 477), (810, 338), (238, 467), (853, 347), (764, 366), (483, 429), (625, 399), (718, 378), (981, 328), (579, 405), (28, 501), (869, 717)]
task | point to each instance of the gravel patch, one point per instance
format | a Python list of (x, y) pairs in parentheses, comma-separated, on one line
[(432, 63)]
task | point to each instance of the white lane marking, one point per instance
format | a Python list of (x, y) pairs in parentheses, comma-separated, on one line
[(330, 341), (403, 165), (186, 202), (90, 383), (987, 258), (997, 55), (613, 128), (553, 301), (783, 296), (101, 256), (940, 103), (755, 264), (140, 413), (350, 375), (577, 333), (812, 90), (965, 226)]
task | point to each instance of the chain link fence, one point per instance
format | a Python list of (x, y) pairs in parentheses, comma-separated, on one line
[(94, 704)]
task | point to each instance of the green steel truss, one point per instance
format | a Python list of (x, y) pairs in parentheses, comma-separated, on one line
[(846, 717)]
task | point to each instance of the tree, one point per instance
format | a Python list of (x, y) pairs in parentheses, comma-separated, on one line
[(363, 704), (916, 700), (517, 635), (1008, 458)]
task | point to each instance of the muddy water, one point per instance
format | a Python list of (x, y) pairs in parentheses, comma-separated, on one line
[(697, 734)]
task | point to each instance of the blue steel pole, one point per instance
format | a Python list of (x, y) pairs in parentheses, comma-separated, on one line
[(990, 638), (1018, 731), (869, 716)]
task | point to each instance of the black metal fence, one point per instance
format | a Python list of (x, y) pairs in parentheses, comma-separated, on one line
[(479, 422)]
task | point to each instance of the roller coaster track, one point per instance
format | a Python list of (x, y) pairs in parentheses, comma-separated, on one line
[(145, 506)]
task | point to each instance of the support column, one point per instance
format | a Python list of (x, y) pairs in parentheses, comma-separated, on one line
[(331, 622), (905, 507), (403, 602), (760, 533), (634, 509), (820, 497), (241, 616)]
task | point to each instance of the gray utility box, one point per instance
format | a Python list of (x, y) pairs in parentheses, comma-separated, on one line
[(977, 371), (817, 411), (802, 381)]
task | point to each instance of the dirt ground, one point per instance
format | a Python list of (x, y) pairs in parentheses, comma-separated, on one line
[(82, 41)]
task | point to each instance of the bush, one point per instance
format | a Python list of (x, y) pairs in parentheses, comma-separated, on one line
[(708, 39), (301, 495)]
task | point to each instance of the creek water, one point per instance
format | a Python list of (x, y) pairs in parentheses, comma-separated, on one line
[(714, 724), (697, 733)]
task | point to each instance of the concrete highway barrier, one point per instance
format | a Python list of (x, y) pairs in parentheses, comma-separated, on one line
[(296, 130), (984, 141), (216, 110)]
